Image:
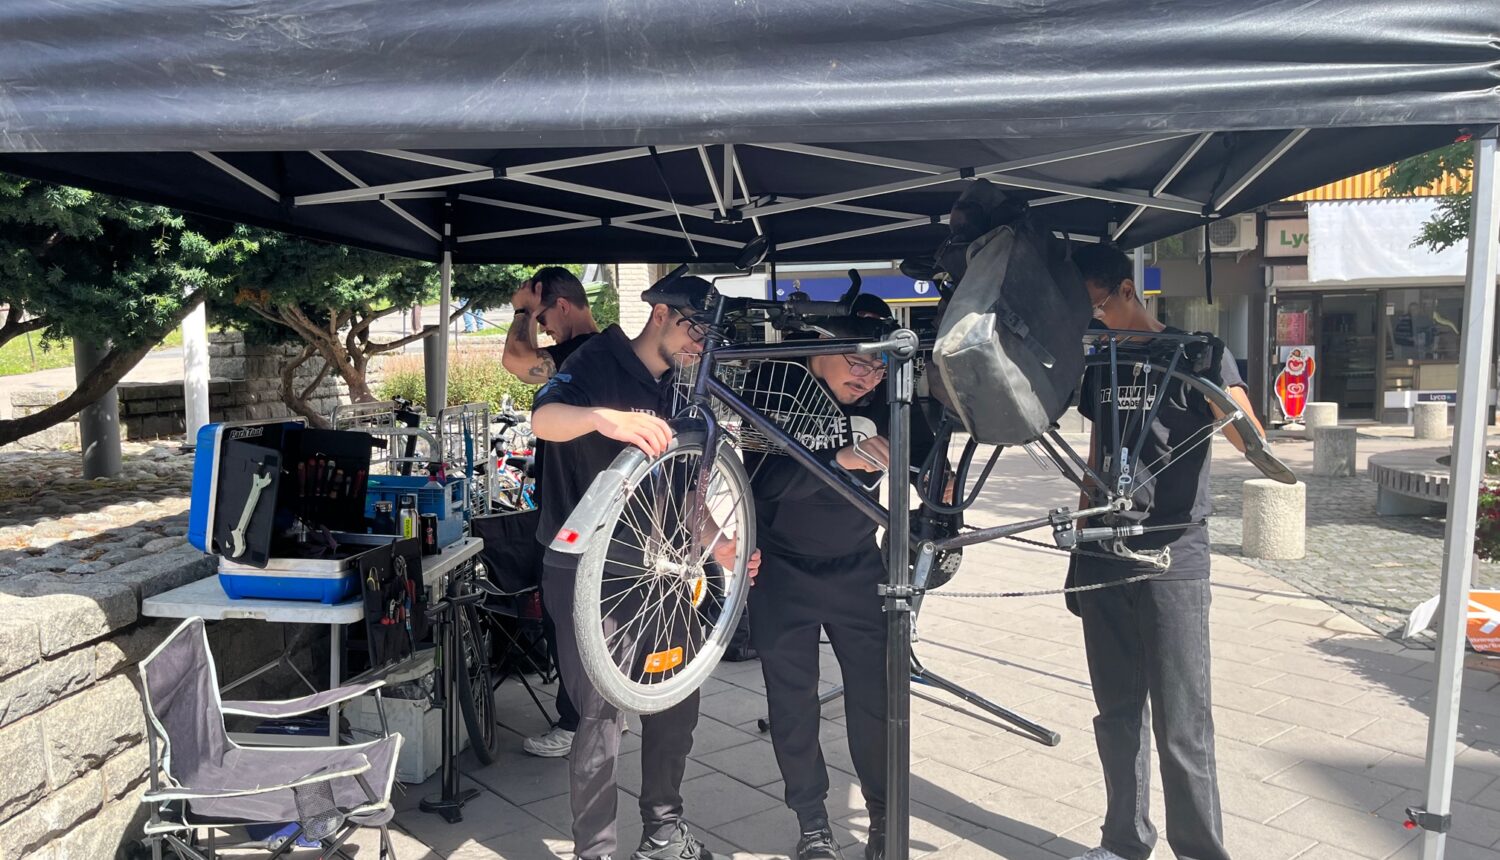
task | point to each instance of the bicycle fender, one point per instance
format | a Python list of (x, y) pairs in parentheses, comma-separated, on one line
[(592, 512)]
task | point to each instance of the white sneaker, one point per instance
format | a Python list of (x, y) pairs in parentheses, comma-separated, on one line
[(554, 744), (1106, 854)]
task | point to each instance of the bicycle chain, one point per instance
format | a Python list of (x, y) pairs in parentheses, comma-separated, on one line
[(1049, 592)]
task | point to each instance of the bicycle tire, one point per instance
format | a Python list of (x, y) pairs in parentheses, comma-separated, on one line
[(476, 692), (681, 571)]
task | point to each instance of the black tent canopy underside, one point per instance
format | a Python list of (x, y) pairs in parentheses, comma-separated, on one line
[(841, 130), (815, 201)]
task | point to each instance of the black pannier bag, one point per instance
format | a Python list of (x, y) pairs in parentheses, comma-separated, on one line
[(1009, 350)]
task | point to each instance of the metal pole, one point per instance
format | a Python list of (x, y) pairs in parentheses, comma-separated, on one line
[(195, 370), (1463, 501), (437, 394), (898, 607), (1138, 272), (98, 422)]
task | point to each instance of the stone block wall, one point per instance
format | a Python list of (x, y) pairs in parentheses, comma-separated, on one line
[(245, 385), (73, 752)]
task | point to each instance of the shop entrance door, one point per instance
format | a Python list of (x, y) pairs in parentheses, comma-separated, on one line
[(1347, 353)]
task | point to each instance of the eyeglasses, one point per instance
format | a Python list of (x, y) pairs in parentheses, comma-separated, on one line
[(696, 330), (862, 369), (541, 315)]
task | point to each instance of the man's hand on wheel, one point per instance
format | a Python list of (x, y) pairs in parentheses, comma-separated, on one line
[(858, 457), (724, 552), (644, 431)]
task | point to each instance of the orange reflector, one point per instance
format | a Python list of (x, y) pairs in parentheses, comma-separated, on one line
[(661, 661), (567, 536)]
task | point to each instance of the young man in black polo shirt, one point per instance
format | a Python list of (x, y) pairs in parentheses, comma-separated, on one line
[(823, 568), (614, 392), (552, 301), (1147, 642)]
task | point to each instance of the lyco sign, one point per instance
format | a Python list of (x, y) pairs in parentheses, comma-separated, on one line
[(1286, 237)]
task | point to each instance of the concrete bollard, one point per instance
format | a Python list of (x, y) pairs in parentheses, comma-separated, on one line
[(1333, 452), (1430, 420), (1275, 519), (1319, 414)]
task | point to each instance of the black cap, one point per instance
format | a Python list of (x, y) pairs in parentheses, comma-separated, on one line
[(677, 290), (869, 304)]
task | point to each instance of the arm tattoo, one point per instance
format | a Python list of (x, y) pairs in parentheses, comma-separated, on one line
[(545, 368)]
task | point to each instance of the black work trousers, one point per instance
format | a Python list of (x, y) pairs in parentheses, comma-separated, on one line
[(666, 740), (1148, 654), (794, 600)]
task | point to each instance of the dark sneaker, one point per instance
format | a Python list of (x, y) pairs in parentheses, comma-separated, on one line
[(817, 844), (875, 842), (681, 845)]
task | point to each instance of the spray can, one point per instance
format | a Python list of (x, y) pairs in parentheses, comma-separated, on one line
[(407, 517)]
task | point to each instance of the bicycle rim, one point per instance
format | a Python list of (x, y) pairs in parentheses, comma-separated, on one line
[(476, 694), (653, 610)]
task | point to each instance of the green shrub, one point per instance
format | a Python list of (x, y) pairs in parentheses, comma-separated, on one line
[(470, 380)]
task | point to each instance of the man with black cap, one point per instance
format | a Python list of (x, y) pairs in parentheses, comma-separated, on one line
[(823, 569), (613, 392)]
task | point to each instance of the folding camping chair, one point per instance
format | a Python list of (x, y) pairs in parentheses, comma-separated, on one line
[(511, 559), (202, 781)]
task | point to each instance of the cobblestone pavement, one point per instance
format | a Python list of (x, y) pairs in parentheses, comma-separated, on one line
[(54, 521), (1374, 568)]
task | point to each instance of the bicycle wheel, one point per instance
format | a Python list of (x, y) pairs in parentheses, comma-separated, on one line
[(653, 610), (476, 693)]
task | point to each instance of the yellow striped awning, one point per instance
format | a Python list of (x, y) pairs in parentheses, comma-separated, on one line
[(1367, 185)]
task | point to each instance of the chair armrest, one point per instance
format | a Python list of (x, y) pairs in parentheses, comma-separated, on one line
[(355, 765), (306, 704)]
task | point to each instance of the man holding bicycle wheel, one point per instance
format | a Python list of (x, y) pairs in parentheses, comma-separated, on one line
[(1147, 642), (554, 302), (823, 569), (612, 393)]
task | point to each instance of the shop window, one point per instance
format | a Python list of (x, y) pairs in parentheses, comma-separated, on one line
[(1423, 325)]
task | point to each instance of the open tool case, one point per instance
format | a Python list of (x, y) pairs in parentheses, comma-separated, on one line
[(282, 505)]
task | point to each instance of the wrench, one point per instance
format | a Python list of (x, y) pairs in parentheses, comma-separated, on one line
[(260, 482)]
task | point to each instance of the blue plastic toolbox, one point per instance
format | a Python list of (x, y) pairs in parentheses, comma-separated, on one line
[(229, 518), (446, 502)]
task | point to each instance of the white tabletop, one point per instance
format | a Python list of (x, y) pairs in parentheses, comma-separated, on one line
[(206, 598)]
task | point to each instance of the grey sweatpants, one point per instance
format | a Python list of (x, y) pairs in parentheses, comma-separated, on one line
[(1148, 655), (666, 740)]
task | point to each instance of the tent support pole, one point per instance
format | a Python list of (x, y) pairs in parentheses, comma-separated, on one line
[(195, 370), (438, 398), (898, 612), (1463, 499)]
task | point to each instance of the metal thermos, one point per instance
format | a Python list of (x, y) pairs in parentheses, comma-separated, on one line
[(407, 517)]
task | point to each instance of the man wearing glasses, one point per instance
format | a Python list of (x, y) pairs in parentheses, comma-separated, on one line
[(612, 393), (822, 569), (552, 301)]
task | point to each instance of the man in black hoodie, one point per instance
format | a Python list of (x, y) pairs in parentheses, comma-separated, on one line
[(821, 569)]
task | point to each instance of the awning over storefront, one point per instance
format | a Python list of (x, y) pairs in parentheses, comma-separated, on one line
[(1356, 240)]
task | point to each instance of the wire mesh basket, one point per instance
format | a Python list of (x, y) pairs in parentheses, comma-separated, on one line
[(784, 391)]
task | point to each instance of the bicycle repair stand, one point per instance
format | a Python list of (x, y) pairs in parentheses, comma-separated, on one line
[(922, 675), (449, 802)]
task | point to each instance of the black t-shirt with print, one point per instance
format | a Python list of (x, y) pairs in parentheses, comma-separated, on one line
[(796, 514), (1179, 493), (604, 372), (559, 353)]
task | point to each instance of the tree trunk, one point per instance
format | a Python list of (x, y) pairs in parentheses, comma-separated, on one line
[(111, 369), (295, 400)]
